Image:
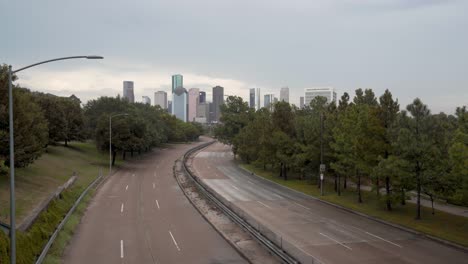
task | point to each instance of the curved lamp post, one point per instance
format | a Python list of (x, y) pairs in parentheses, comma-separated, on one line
[(12, 147), (110, 140)]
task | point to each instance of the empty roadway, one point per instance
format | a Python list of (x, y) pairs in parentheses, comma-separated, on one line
[(329, 234), (139, 215)]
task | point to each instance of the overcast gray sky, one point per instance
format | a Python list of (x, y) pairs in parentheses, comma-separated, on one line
[(415, 48)]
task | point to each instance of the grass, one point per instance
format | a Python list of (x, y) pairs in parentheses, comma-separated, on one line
[(442, 225), (57, 250), (37, 181)]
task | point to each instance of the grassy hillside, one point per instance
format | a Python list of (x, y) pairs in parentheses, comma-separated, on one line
[(52, 169)]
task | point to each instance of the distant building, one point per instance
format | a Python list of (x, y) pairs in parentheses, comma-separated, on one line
[(252, 98), (146, 100), (258, 99), (268, 101), (203, 113), (311, 93), (128, 91), (202, 97), (284, 94), (169, 107), (179, 103), (275, 100), (301, 102), (177, 81), (193, 101), (218, 100), (210, 112), (160, 98)]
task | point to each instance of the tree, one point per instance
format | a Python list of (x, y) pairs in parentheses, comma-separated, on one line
[(387, 112), (458, 157)]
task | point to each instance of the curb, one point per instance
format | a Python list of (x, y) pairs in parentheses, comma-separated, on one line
[(234, 245), (436, 239)]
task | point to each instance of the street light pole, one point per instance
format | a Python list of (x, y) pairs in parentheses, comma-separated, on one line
[(12, 148), (110, 140)]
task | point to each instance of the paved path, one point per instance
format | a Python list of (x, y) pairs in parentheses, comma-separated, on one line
[(141, 216), (313, 228)]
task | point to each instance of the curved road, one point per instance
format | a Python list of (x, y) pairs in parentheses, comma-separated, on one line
[(315, 229), (140, 215)]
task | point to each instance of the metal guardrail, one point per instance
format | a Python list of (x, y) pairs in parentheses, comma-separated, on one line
[(272, 247), (46, 248)]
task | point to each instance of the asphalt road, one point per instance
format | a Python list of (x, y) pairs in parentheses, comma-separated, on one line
[(315, 229), (140, 215)]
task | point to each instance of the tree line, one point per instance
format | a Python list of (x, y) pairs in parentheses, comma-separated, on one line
[(45, 119), (364, 139)]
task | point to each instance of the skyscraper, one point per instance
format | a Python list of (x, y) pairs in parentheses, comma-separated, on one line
[(252, 98), (193, 101), (284, 94), (258, 99), (268, 100), (218, 100), (327, 92), (301, 102), (202, 97), (177, 81), (179, 103), (146, 100), (128, 91), (169, 107), (160, 98)]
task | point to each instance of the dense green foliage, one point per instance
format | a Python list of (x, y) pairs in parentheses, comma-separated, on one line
[(366, 140)]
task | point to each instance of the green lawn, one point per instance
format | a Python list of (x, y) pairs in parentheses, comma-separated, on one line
[(443, 225), (52, 169)]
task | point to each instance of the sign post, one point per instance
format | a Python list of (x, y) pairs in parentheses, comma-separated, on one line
[(322, 170)]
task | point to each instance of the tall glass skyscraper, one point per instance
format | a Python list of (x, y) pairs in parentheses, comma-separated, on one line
[(177, 81), (252, 98), (202, 97), (179, 103), (128, 91), (218, 100)]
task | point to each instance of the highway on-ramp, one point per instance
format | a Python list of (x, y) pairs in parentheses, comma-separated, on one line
[(315, 229), (140, 215)]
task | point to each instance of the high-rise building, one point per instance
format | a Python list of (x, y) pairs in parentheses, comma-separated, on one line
[(128, 91), (268, 101), (179, 103), (327, 92), (252, 98), (210, 112), (203, 113), (193, 101), (202, 97), (301, 102), (218, 100), (146, 100), (258, 99), (284, 94), (177, 81), (275, 100), (169, 107), (160, 98)]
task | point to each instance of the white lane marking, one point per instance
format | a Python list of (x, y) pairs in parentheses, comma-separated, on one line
[(336, 241), (121, 208), (157, 204), (279, 196), (126, 188), (154, 174), (263, 204), (235, 187), (250, 182), (154, 186), (133, 175), (175, 242), (384, 240), (121, 249), (302, 206)]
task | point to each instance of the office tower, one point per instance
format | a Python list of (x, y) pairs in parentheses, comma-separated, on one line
[(179, 103), (218, 100), (258, 99), (146, 100), (169, 107), (275, 100), (128, 91), (301, 102), (203, 112), (284, 94), (327, 92), (177, 81), (210, 112), (193, 98), (202, 97), (252, 98), (160, 98), (268, 101)]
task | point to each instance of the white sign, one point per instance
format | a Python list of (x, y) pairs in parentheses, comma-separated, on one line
[(321, 176)]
